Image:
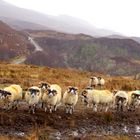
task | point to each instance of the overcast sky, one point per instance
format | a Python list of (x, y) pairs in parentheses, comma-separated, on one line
[(118, 15)]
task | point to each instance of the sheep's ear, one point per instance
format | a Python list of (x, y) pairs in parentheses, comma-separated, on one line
[(114, 91)]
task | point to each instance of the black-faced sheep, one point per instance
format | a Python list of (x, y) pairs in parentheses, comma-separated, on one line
[(33, 97), (11, 95), (52, 97), (70, 99)]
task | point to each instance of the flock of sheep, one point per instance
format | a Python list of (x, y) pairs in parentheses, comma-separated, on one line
[(49, 97)]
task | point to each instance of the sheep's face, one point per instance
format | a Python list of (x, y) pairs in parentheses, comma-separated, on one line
[(4, 94), (44, 86), (120, 100), (72, 90), (99, 78), (51, 93), (34, 92), (135, 99)]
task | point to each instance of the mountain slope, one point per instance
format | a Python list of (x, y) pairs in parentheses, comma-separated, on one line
[(106, 55), (12, 43), (60, 23)]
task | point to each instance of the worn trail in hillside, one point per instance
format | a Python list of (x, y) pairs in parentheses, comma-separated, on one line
[(33, 42), (22, 59)]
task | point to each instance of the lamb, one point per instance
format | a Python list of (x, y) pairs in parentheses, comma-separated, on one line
[(11, 95), (52, 97), (33, 97), (103, 98), (70, 99), (120, 100)]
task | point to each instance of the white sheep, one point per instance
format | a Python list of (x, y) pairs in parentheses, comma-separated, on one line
[(93, 82), (70, 99), (52, 97), (12, 95), (33, 97), (101, 82), (133, 100), (103, 98), (120, 100), (96, 81)]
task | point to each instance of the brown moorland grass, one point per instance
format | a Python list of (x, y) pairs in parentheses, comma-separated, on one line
[(28, 75)]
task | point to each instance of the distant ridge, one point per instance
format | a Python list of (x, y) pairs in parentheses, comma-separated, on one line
[(61, 23)]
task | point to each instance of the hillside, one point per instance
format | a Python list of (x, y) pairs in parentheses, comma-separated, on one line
[(105, 55), (111, 56), (12, 43)]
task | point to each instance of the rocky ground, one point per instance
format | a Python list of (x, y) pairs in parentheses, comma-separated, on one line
[(83, 124)]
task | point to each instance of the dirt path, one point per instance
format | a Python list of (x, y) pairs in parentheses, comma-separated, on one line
[(33, 42)]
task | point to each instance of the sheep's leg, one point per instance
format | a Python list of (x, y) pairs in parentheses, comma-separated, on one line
[(106, 108), (33, 109), (51, 108), (16, 104), (42, 105), (71, 110), (95, 107), (46, 107), (73, 107), (67, 109), (55, 107), (29, 109), (101, 108), (9, 106)]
